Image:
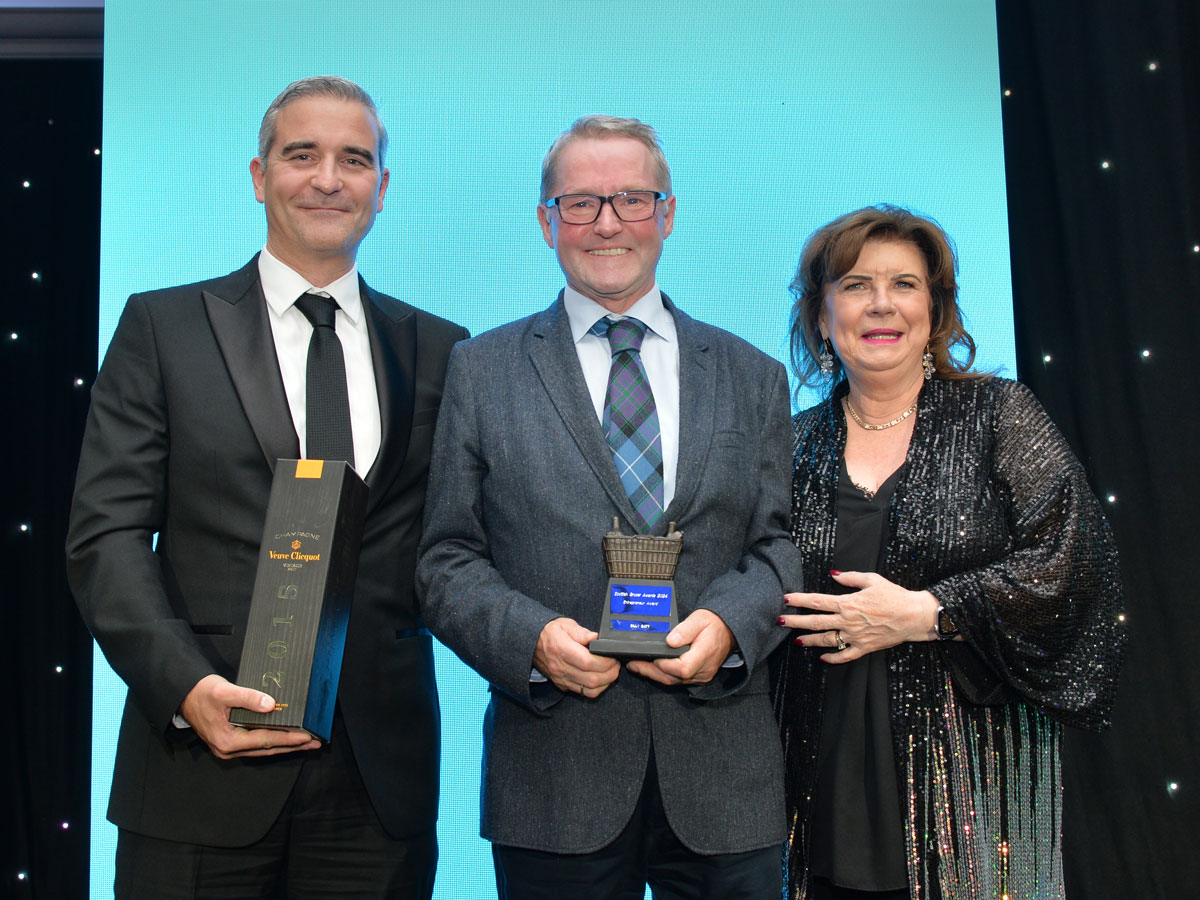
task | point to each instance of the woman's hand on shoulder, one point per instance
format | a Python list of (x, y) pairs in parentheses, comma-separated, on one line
[(878, 614)]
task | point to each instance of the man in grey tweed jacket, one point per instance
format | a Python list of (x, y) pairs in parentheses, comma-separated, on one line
[(599, 778)]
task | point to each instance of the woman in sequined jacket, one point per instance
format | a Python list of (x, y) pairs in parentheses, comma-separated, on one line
[(963, 599)]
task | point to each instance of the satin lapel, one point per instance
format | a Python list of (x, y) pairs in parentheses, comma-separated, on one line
[(553, 355), (392, 329), (237, 312), (697, 402)]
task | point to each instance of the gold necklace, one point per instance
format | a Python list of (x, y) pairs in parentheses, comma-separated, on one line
[(896, 421)]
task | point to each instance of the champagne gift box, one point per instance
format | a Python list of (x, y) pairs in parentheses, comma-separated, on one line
[(308, 562)]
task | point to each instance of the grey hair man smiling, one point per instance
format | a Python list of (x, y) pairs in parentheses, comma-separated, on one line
[(601, 776), (203, 388)]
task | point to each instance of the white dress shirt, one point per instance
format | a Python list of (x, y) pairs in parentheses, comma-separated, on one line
[(282, 285), (660, 359)]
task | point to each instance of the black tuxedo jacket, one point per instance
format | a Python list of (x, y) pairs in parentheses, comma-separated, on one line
[(188, 416)]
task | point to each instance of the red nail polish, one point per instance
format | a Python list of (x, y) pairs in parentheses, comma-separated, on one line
[(835, 571), (781, 620), (800, 641)]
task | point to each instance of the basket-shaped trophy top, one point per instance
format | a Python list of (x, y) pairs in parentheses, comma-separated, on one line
[(642, 555)]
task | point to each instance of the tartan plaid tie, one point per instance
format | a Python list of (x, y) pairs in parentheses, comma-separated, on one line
[(631, 420)]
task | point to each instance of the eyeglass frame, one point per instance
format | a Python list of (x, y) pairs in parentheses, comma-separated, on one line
[(659, 196)]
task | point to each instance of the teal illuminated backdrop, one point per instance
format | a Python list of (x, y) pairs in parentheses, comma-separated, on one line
[(775, 116)]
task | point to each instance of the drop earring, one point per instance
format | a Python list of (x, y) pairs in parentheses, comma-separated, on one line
[(826, 359), (927, 363)]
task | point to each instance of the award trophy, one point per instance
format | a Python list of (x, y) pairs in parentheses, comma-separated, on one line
[(300, 607), (639, 606)]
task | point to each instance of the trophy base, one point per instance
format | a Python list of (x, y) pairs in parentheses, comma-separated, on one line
[(629, 647), (638, 615)]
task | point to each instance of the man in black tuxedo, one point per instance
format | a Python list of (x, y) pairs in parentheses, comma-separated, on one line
[(203, 387)]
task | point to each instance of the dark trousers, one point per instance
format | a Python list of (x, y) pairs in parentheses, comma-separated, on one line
[(327, 843), (645, 852)]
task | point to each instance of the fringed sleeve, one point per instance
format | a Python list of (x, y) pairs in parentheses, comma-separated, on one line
[(1046, 616)]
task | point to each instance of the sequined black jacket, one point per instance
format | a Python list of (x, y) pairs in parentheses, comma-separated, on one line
[(994, 516)]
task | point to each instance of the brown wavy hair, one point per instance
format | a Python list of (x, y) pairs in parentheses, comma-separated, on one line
[(831, 251)]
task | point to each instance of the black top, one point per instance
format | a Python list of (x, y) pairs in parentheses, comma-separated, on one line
[(857, 837)]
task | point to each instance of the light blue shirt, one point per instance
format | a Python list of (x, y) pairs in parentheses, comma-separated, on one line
[(660, 359)]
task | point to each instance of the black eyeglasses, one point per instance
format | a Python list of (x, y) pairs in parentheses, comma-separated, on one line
[(584, 209)]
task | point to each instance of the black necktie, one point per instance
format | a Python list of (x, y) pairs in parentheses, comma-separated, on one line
[(326, 400)]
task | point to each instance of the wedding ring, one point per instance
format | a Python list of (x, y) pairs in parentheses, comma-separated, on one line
[(841, 644)]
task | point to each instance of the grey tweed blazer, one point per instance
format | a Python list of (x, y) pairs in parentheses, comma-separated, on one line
[(522, 489)]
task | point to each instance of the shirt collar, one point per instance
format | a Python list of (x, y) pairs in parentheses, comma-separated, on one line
[(282, 284), (583, 313)]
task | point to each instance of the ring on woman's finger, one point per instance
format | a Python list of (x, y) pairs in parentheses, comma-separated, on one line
[(841, 644)]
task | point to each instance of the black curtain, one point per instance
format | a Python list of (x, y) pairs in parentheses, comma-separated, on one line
[(1102, 145), (1106, 266), (49, 268)]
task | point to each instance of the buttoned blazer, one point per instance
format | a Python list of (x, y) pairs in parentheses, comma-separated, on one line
[(525, 488), (188, 417)]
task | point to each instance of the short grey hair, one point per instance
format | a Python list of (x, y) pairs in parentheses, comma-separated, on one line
[(601, 127), (318, 86)]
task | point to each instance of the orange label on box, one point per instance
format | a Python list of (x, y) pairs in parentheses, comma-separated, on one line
[(309, 468)]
